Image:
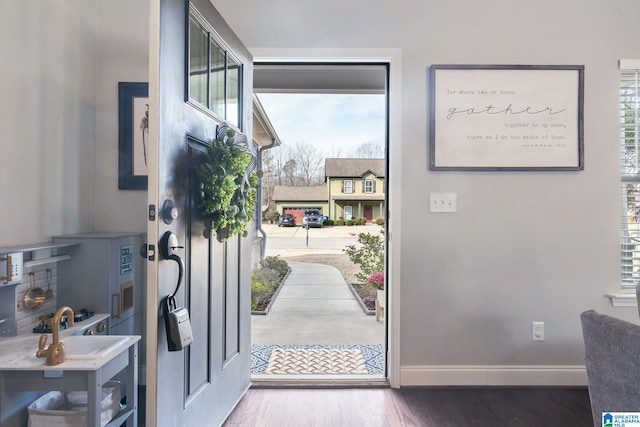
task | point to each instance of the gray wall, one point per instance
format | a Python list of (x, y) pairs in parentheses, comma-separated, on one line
[(122, 43), (61, 61), (523, 246)]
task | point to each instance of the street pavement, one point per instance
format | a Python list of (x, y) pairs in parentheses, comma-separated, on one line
[(330, 239)]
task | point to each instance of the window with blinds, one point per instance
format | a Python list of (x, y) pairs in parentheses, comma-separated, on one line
[(630, 171)]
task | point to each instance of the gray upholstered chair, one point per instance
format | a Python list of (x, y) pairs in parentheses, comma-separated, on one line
[(612, 351), (638, 295)]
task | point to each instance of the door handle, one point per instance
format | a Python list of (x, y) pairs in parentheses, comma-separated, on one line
[(176, 319), (170, 246)]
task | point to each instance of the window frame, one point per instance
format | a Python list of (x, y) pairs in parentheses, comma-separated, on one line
[(213, 38), (371, 185), (629, 146), (344, 212), (344, 186)]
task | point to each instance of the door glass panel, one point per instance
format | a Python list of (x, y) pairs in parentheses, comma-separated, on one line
[(218, 72), (234, 89), (215, 76), (198, 60)]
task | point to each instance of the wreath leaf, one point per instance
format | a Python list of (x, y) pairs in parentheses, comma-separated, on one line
[(228, 184)]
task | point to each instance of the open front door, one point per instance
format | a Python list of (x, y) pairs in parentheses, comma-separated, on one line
[(200, 76)]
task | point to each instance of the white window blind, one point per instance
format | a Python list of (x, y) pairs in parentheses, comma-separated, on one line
[(630, 172)]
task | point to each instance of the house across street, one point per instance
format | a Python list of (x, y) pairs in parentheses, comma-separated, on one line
[(353, 188)]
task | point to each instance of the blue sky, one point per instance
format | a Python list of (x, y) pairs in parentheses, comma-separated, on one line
[(330, 121)]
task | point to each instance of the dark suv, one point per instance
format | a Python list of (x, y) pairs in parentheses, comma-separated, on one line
[(313, 218), (286, 220)]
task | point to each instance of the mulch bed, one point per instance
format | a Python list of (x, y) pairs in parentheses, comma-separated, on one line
[(367, 295), (264, 304)]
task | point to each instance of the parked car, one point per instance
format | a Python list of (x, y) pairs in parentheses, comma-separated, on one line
[(286, 220), (313, 218)]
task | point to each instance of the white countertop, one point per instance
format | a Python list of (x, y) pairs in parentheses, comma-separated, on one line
[(18, 353)]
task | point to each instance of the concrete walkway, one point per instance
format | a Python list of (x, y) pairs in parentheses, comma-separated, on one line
[(315, 306)]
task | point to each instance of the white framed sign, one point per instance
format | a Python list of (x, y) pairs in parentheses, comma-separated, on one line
[(506, 117)]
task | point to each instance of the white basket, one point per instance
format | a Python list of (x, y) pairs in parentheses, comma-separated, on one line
[(59, 409)]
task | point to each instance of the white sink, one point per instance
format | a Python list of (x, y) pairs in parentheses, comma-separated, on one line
[(90, 346)]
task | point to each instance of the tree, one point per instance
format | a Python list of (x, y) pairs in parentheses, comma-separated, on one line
[(369, 150), (289, 172), (309, 164), (270, 177), (302, 164)]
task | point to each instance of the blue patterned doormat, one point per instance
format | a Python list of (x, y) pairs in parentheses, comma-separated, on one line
[(368, 358)]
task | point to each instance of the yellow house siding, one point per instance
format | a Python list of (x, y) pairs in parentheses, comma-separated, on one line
[(357, 199)]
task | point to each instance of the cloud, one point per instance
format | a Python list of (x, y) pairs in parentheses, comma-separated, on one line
[(329, 121)]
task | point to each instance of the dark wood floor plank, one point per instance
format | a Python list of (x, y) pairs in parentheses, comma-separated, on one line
[(413, 407)]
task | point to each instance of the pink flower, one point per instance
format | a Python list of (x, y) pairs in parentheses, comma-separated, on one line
[(376, 280)]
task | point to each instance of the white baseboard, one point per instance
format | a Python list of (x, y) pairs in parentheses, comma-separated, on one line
[(461, 375)]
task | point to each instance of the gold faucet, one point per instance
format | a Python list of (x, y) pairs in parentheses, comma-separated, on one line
[(55, 354)]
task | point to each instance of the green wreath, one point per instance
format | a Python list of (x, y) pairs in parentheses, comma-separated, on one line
[(228, 185)]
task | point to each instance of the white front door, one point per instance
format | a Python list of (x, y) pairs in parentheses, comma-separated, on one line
[(200, 75)]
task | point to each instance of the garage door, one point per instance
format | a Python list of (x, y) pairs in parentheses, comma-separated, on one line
[(298, 213)]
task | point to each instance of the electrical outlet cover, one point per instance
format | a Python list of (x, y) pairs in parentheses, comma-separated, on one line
[(537, 331)]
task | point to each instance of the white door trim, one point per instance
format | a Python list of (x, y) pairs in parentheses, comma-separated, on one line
[(152, 302), (391, 57)]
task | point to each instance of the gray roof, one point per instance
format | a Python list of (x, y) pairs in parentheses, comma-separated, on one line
[(303, 194), (345, 168)]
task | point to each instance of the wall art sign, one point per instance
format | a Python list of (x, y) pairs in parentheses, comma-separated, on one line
[(506, 117), (133, 135)]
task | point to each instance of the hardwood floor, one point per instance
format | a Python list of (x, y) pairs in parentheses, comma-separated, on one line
[(431, 407)]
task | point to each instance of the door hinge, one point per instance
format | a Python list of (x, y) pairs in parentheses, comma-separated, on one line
[(152, 212)]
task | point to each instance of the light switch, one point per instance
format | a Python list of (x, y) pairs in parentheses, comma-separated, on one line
[(443, 202)]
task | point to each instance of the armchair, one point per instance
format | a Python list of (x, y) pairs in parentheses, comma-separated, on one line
[(612, 347)]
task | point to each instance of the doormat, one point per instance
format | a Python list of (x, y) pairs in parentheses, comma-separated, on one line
[(317, 359)]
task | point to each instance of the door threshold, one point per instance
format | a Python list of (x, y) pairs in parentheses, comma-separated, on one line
[(318, 381)]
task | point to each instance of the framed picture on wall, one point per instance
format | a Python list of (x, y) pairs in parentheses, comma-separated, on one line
[(133, 135), (506, 117)]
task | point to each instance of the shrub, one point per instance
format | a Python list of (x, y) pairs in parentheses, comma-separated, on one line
[(265, 280), (361, 221), (271, 216), (265, 275), (369, 256), (274, 263), (376, 280), (339, 222), (379, 220), (329, 222), (259, 290), (351, 222)]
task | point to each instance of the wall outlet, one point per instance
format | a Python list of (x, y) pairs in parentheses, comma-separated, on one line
[(537, 331)]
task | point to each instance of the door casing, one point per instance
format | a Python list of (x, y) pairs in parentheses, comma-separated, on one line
[(392, 57)]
